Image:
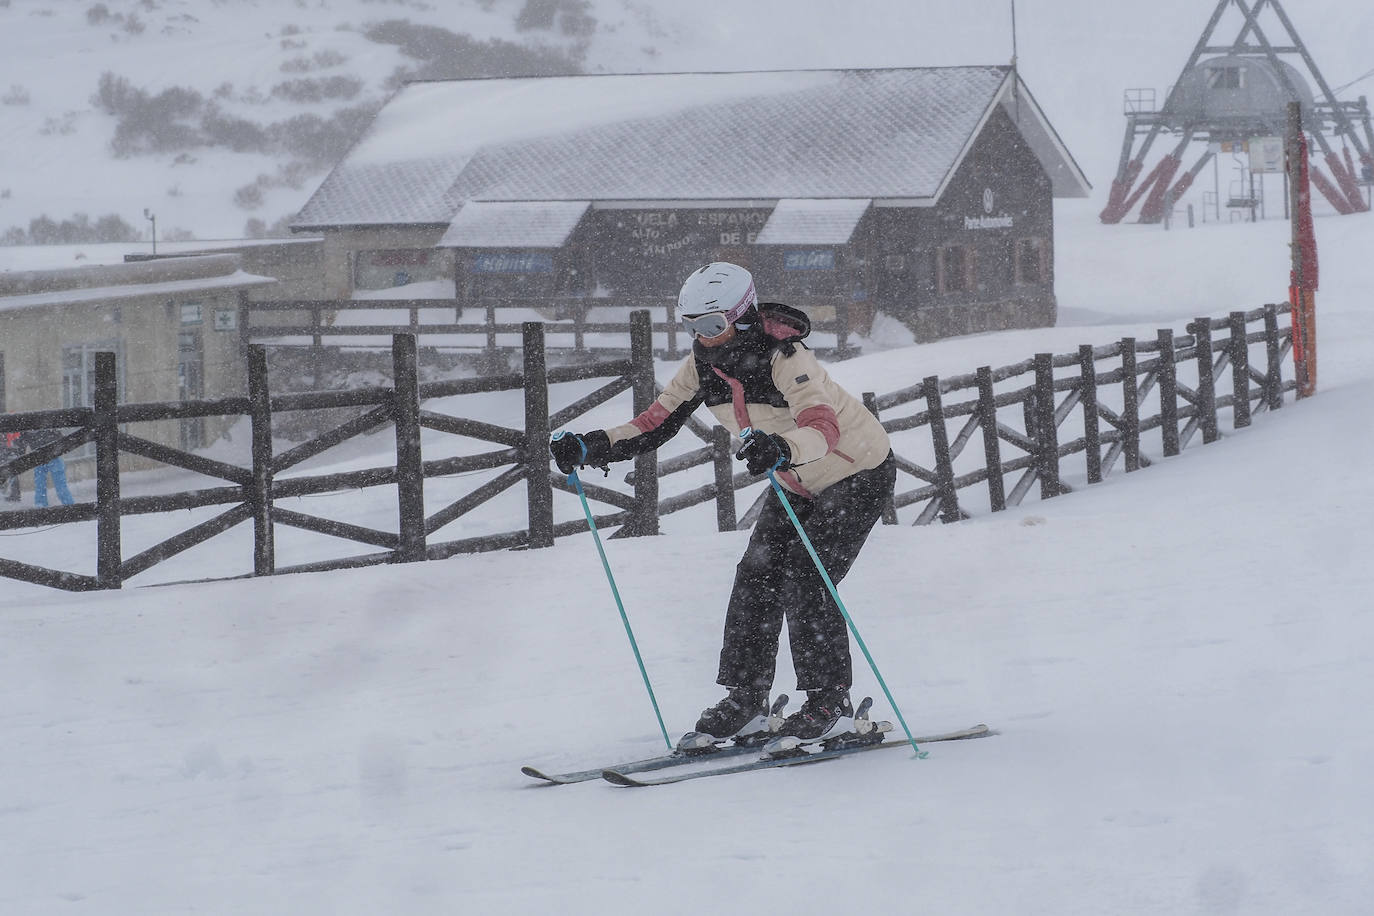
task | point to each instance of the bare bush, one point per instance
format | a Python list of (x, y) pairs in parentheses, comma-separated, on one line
[(248, 197), (77, 229), (572, 17), (308, 89), (448, 55), (17, 95)]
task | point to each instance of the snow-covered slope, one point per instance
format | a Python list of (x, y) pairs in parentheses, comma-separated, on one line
[(1177, 660)]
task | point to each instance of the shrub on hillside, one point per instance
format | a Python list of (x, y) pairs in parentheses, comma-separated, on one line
[(178, 119), (448, 55), (572, 17), (78, 229), (239, 134), (308, 89), (316, 139)]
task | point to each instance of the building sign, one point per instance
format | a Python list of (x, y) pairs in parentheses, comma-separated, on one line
[(226, 319), (818, 259), (660, 233), (521, 262), (1266, 154), (987, 220)]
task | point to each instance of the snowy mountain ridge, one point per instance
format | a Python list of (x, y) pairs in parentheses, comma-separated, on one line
[(221, 117)]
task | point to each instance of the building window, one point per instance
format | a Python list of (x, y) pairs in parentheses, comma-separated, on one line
[(954, 269), (1030, 262), (1225, 77), (387, 268), (78, 379), (191, 385)]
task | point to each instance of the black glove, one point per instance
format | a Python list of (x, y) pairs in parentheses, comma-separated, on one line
[(572, 451), (765, 452)]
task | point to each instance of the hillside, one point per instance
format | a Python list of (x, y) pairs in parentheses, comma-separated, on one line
[(221, 116)]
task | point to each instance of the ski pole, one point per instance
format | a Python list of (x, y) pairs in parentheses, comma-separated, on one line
[(591, 523), (834, 593)]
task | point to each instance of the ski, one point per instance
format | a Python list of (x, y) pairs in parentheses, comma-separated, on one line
[(621, 777), (648, 764), (690, 749)]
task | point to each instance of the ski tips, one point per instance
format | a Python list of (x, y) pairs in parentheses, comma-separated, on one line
[(619, 779)]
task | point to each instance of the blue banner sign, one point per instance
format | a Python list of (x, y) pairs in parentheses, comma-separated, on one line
[(520, 262), (821, 259)]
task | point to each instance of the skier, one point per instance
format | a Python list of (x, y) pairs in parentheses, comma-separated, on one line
[(749, 367), (56, 468)]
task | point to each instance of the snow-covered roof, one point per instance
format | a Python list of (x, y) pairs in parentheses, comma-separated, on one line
[(813, 222), (860, 134), (514, 224), (109, 283)]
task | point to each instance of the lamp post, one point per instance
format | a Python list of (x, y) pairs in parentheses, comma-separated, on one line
[(152, 218)]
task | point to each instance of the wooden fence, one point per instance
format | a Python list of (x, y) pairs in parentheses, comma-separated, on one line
[(1110, 397), (319, 323)]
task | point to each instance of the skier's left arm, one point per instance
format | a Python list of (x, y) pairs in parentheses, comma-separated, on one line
[(801, 379)]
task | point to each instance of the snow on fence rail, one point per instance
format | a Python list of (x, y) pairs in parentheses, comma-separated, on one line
[(570, 323), (1109, 397)]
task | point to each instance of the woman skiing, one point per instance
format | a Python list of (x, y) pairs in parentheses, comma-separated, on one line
[(749, 367)]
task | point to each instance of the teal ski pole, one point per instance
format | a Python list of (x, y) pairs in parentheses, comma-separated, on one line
[(834, 593), (591, 523)]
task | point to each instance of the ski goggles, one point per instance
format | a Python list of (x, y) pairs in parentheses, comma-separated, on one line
[(707, 324)]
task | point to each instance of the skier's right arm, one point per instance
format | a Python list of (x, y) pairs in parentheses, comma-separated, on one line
[(644, 433), (663, 419)]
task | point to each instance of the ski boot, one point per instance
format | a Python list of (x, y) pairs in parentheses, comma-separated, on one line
[(830, 722), (744, 716)]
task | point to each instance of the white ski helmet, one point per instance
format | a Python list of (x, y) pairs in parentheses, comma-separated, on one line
[(721, 290)]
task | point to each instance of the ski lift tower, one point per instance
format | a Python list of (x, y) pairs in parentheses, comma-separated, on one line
[(1236, 96)]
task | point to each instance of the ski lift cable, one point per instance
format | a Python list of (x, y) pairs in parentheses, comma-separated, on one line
[(1364, 76)]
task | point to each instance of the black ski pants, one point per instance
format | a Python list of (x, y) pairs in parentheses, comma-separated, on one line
[(777, 579)]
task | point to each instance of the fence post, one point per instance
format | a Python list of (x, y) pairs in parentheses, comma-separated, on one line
[(1168, 391), (316, 348), (579, 328), (1206, 380), (1273, 379), (260, 495), (992, 447), (842, 330), (492, 362), (1046, 433), (889, 501), (242, 318), (109, 551), (537, 483), (645, 517), (1240, 372), (1092, 438), (671, 314), (944, 464), (726, 517), (410, 470), (1130, 405)]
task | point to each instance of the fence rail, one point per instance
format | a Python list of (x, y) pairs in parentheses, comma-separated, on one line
[(571, 324), (1101, 407)]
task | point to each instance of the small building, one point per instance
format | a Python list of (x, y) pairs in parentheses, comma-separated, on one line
[(173, 324), (926, 193)]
